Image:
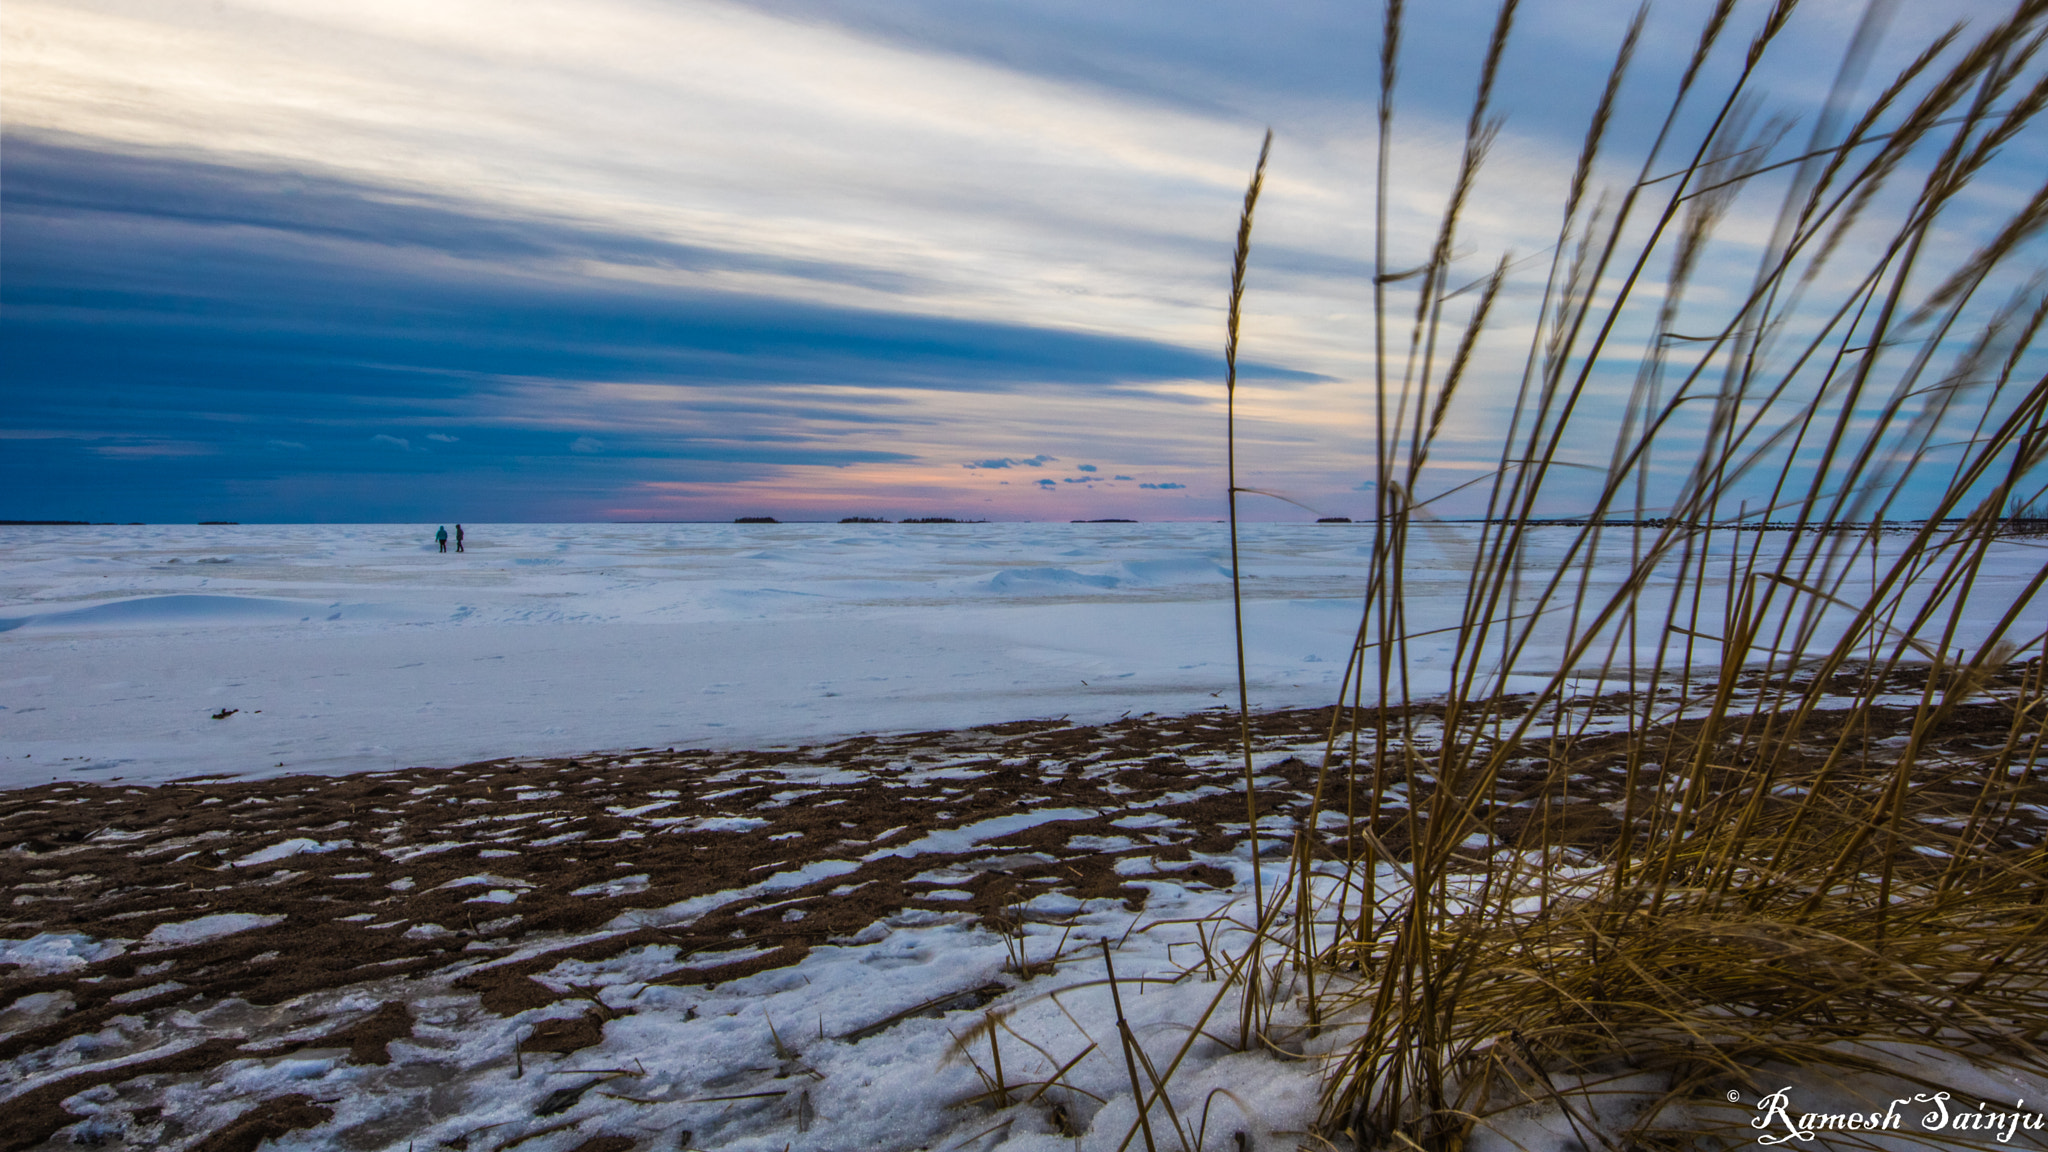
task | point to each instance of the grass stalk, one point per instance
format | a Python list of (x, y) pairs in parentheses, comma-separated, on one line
[(1244, 707), (1139, 1097)]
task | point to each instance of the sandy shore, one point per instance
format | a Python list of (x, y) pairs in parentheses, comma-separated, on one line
[(181, 953)]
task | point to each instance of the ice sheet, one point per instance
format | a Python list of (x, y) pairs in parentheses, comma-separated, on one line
[(336, 648)]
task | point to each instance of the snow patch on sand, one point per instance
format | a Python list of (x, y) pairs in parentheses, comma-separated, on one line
[(293, 847), (964, 838), (688, 910), (206, 928), (50, 953)]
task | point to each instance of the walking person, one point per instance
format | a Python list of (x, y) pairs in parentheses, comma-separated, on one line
[(441, 537), (458, 537)]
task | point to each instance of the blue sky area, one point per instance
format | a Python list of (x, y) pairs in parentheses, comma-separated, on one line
[(607, 259)]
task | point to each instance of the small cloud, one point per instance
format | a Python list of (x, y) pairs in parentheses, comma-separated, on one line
[(443, 437), (1366, 486), (1079, 479), (1038, 461), (294, 445), (1120, 477), (586, 444), (393, 441), (154, 448), (1084, 468), (1048, 483), (1162, 486)]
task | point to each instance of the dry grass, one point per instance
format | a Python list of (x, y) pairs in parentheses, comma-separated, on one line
[(1781, 888)]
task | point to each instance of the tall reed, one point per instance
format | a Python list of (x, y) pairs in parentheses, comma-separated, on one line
[(1806, 468)]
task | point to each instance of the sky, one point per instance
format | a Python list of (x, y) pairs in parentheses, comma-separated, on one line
[(544, 260)]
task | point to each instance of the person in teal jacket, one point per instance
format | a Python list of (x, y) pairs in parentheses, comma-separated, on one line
[(441, 537)]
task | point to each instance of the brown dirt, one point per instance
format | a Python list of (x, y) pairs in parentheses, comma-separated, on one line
[(277, 1116), (565, 1036), (370, 1041)]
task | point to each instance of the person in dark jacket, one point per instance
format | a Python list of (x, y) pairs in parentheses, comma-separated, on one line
[(458, 537), (441, 537)]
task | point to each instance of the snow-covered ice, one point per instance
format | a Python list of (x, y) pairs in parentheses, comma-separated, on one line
[(342, 648), (336, 648)]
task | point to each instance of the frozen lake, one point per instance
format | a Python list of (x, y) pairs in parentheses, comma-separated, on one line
[(350, 647)]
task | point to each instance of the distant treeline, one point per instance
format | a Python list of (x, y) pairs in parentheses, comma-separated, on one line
[(865, 520)]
